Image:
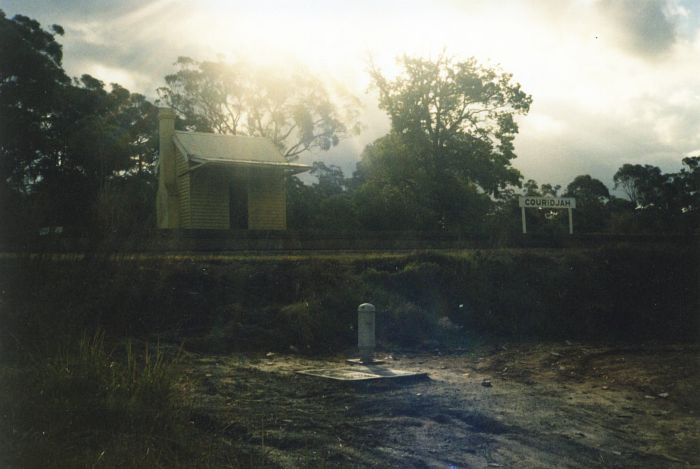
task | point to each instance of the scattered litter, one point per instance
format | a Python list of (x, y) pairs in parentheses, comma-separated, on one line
[(270, 354), (605, 388), (616, 453), (556, 354), (649, 397), (663, 394), (505, 370), (486, 383), (445, 323), (493, 464), (466, 375), (419, 394)]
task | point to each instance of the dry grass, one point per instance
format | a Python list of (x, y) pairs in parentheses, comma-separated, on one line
[(87, 406)]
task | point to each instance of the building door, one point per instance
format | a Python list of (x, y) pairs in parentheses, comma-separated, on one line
[(238, 204)]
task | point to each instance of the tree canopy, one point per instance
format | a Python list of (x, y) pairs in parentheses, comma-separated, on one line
[(458, 115), (65, 143), (585, 187), (641, 183), (80, 153), (31, 83), (295, 110), (450, 144)]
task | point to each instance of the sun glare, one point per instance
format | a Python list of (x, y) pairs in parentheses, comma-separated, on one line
[(564, 55), (339, 44)]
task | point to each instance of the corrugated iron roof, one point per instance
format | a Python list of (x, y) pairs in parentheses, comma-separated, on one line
[(202, 147)]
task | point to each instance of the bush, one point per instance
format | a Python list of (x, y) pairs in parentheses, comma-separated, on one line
[(407, 325)]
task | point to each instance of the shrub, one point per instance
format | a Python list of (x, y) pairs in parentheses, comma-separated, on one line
[(407, 325)]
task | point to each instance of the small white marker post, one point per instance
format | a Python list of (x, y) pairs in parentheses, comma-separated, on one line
[(365, 332), (365, 336)]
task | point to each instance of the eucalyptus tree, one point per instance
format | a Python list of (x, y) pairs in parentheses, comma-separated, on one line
[(592, 197), (294, 109), (32, 81), (451, 141), (63, 141), (459, 114), (643, 184)]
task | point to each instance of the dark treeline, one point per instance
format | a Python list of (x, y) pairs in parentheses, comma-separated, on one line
[(80, 155), (663, 203), (72, 153)]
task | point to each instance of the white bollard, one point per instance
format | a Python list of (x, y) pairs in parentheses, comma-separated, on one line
[(365, 332)]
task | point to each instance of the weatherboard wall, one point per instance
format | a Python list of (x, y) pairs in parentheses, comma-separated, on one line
[(203, 197), (209, 199), (267, 206)]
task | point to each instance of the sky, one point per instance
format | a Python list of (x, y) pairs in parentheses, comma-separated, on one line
[(612, 81)]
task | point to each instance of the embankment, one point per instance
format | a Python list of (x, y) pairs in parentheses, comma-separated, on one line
[(241, 302)]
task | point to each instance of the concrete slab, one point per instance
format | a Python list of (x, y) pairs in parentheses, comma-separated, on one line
[(358, 361), (362, 373)]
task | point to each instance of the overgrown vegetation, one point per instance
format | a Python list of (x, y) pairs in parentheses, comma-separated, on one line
[(117, 405), (615, 292), (83, 405)]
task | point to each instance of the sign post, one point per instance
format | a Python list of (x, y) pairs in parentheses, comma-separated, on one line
[(549, 203)]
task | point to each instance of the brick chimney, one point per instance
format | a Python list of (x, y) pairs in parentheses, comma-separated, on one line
[(167, 200)]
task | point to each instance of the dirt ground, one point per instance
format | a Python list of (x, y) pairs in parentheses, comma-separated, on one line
[(549, 406)]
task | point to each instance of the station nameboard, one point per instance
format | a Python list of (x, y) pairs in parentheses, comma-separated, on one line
[(547, 202)]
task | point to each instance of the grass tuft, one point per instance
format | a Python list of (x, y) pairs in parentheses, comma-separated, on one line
[(88, 405)]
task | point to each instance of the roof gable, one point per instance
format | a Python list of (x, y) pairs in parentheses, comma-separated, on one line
[(202, 147)]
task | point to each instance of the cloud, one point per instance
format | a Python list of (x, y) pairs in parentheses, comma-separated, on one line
[(646, 130), (141, 43), (644, 27), (596, 104)]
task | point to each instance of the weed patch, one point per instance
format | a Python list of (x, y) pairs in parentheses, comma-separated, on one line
[(88, 406)]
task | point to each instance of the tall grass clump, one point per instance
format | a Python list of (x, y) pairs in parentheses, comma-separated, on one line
[(90, 406)]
